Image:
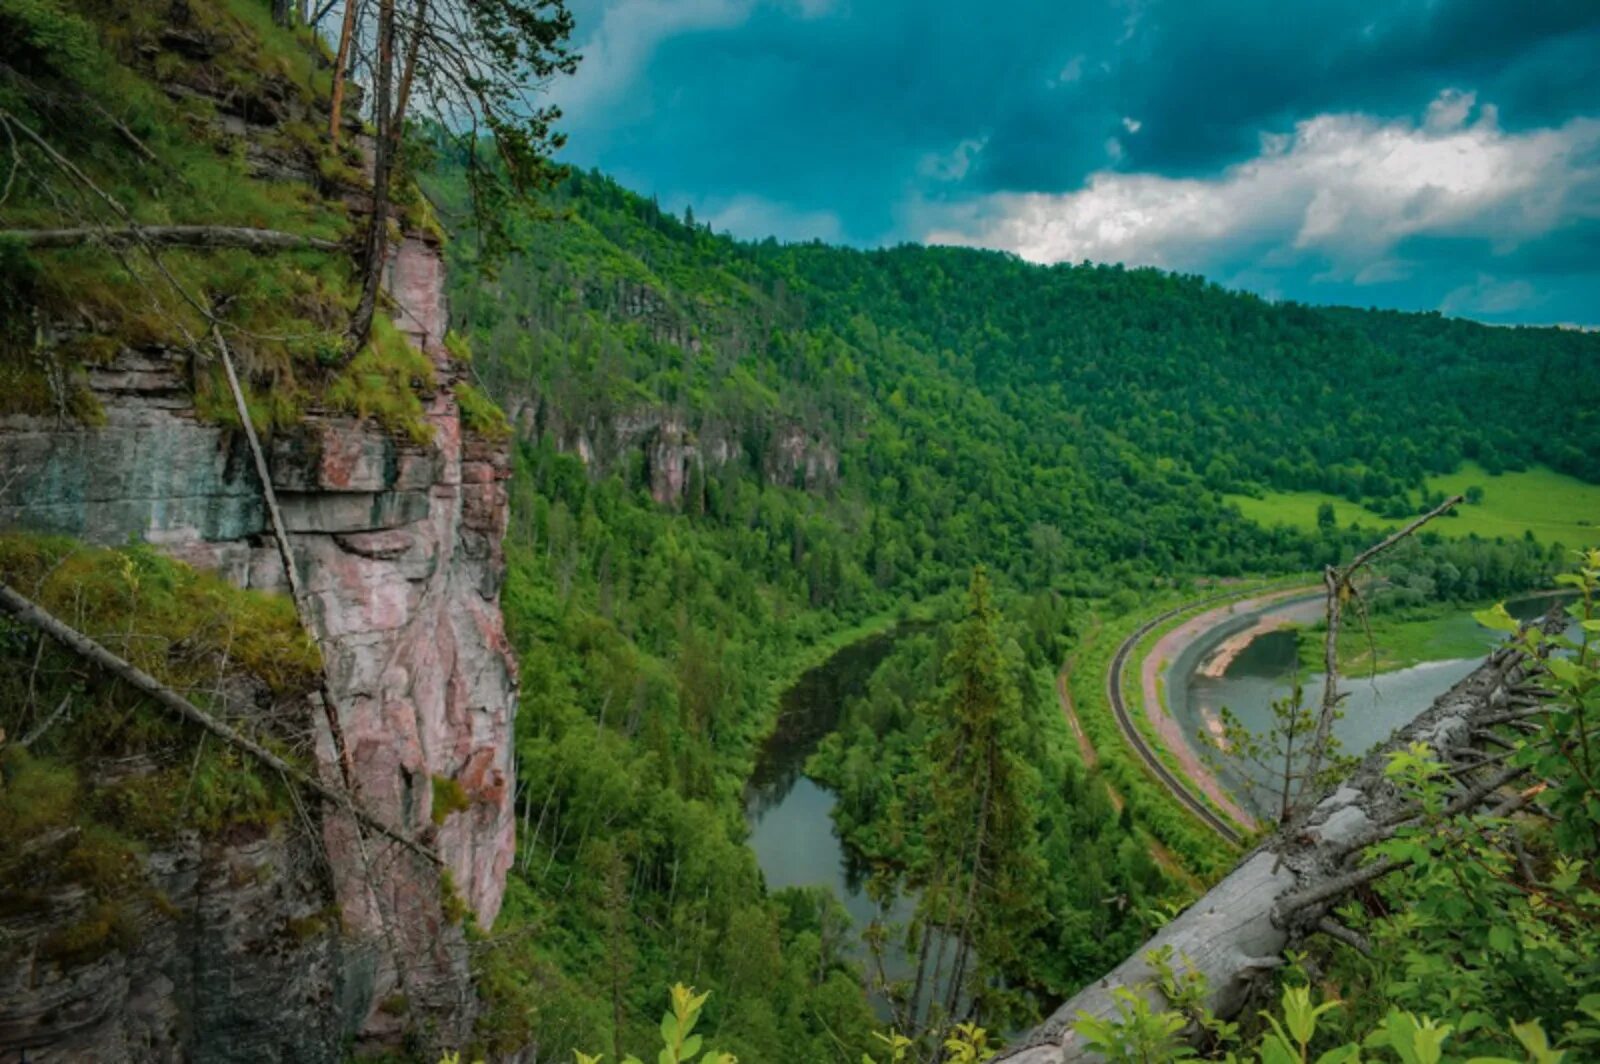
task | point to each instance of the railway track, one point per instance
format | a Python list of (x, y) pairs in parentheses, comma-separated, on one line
[(1141, 746)]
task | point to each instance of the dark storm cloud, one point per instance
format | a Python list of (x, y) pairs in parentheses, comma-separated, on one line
[(1207, 78), (880, 120)]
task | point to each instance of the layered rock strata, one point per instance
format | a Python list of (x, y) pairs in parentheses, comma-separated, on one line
[(398, 548)]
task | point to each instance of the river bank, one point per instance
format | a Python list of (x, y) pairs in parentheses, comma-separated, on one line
[(1264, 652), (1168, 647), (1402, 638)]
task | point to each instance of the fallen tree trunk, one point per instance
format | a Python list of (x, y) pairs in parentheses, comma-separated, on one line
[(204, 237), (36, 617), (1284, 890)]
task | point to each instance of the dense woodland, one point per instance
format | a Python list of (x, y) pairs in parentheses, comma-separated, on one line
[(1071, 428), (1015, 452)]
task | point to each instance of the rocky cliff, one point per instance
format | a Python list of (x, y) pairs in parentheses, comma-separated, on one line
[(398, 547), (673, 448)]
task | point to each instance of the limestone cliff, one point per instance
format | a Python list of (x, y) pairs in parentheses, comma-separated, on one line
[(398, 546)]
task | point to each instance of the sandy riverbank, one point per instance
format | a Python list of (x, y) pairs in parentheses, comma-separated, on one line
[(1217, 663), (1166, 651)]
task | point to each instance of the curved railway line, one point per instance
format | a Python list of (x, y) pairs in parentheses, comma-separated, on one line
[(1141, 746)]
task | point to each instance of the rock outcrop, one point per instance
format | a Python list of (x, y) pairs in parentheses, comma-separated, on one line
[(398, 548), (235, 954), (673, 449)]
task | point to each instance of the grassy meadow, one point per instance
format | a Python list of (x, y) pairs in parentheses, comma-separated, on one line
[(1556, 508)]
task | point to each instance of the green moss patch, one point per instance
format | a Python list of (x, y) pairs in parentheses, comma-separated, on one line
[(449, 797), (480, 414), (112, 774), (284, 315)]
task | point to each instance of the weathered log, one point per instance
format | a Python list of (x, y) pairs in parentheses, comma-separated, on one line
[(203, 237), (38, 618), (1285, 889)]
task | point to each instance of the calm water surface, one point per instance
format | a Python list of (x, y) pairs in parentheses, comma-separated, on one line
[(1264, 672), (791, 826)]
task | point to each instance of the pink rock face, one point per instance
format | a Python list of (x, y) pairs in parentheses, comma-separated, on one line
[(399, 550), (416, 652), (416, 281)]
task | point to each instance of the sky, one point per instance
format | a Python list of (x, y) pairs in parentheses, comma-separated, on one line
[(1418, 154)]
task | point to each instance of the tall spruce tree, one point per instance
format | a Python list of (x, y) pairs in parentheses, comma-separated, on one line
[(981, 902)]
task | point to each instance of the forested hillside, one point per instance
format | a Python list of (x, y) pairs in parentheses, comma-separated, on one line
[(733, 454), (968, 390), (307, 806)]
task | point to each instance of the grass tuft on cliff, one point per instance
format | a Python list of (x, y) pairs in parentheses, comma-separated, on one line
[(209, 117), (91, 773)]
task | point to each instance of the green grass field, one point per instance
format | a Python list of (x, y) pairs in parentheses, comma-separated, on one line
[(1556, 508), (1438, 633)]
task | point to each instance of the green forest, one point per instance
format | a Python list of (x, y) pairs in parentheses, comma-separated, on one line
[(728, 462), (1076, 430)]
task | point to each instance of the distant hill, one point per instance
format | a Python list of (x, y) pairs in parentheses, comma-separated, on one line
[(978, 398)]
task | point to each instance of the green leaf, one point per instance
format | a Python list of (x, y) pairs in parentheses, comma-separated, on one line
[(1533, 1039), (1346, 1054), (1298, 1015), (1565, 670), (1429, 1042), (1501, 939), (691, 1046), (1497, 618), (1275, 1049)]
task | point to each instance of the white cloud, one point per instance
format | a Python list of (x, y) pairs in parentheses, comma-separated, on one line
[(1487, 295), (1450, 110), (756, 218), (1341, 190), (627, 35), (954, 164), (1072, 72), (1132, 18)]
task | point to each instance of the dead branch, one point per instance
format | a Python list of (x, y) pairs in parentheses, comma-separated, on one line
[(280, 536), (203, 237), (1349, 936), (1339, 582), (35, 616), (43, 726), (1336, 887)]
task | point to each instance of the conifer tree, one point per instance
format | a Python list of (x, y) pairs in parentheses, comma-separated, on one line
[(981, 901)]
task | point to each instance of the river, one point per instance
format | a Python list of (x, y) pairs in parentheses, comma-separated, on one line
[(790, 816), (1202, 680)]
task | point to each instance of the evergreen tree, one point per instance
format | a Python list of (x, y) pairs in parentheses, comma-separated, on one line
[(984, 870)]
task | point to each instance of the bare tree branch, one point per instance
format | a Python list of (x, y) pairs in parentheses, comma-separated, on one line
[(35, 616), (1349, 936), (1339, 583), (205, 237)]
